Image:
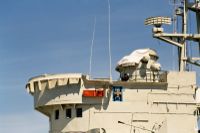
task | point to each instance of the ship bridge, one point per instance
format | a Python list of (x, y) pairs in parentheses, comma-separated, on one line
[(144, 100)]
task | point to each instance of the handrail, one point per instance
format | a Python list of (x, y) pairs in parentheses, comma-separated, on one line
[(149, 75)]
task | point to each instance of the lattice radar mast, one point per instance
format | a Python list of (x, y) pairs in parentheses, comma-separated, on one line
[(181, 39)]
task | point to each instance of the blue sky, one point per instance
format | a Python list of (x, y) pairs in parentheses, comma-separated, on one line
[(54, 36)]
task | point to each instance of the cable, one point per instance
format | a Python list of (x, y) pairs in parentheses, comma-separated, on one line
[(142, 128)]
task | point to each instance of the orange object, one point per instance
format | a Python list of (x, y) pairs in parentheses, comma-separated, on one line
[(93, 93)]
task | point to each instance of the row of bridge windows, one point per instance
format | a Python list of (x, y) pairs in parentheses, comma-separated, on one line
[(68, 113)]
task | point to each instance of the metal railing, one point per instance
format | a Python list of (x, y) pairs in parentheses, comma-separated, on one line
[(147, 75)]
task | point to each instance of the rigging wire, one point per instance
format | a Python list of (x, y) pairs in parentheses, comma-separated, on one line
[(91, 48)]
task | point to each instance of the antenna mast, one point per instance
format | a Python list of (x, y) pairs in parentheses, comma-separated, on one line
[(110, 58), (179, 39), (92, 45), (175, 4)]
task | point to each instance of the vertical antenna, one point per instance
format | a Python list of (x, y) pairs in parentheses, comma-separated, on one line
[(184, 30), (110, 61), (92, 45), (175, 4), (198, 22)]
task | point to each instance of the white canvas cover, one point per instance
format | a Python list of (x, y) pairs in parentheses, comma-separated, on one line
[(134, 58)]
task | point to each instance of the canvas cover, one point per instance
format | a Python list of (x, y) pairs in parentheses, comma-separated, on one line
[(134, 58)]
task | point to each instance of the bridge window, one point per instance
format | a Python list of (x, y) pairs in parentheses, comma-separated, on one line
[(79, 112), (68, 113), (56, 114)]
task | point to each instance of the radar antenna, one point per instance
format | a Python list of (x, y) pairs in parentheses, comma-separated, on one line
[(179, 39)]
